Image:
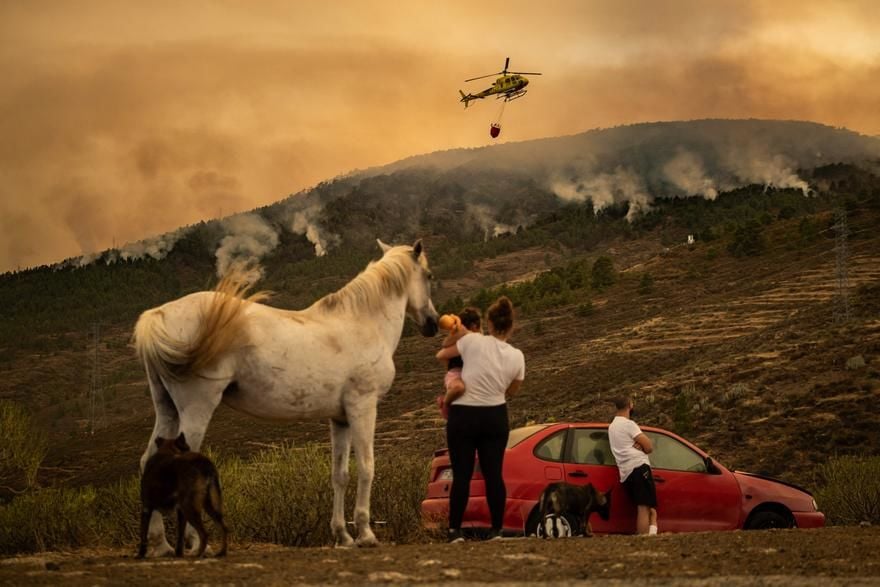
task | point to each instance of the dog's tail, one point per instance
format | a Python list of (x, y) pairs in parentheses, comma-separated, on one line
[(215, 510), (215, 496)]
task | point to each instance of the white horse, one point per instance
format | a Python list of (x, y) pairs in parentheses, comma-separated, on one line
[(332, 360)]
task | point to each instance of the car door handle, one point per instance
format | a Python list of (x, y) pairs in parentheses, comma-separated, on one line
[(659, 479), (578, 474)]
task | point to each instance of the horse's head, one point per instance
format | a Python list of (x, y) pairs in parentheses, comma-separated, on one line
[(419, 306)]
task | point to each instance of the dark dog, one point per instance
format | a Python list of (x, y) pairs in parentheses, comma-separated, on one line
[(575, 502), (175, 478)]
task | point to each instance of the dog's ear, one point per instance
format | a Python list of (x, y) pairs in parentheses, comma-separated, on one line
[(159, 441), (181, 444)]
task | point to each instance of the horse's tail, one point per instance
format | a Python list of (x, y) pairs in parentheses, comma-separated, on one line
[(220, 328)]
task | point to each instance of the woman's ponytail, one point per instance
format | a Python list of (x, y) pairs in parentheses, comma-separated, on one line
[(500, 314)]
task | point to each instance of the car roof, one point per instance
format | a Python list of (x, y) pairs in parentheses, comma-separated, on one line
[(595, 425)]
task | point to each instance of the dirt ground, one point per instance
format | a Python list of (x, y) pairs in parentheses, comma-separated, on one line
[(830, 556)]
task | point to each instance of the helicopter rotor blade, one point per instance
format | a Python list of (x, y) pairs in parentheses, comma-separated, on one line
[(482, 76), (525, 72), (506, 63)]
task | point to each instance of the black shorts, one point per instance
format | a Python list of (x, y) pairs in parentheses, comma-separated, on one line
[(640, 486)]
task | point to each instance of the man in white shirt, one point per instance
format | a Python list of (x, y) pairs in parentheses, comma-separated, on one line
[(630, 447)]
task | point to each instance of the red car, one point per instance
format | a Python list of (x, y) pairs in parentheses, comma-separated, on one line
[(694, 492)]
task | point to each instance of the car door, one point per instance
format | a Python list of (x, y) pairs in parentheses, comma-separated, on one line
[(589, 460), (550, 452), (691, 498)]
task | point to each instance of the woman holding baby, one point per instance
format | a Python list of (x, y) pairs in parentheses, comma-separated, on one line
[(492, 371)]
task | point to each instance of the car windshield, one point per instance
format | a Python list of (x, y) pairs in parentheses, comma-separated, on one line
[(517, 435)]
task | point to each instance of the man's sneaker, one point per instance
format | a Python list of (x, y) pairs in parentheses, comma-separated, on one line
[(454, 536), (494, 535)]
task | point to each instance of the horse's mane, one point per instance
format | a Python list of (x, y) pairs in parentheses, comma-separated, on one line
[(368, 291)]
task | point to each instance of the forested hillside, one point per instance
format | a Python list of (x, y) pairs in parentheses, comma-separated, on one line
[(715, 336)]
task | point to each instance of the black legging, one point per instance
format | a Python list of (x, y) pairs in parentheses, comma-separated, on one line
[(483, 430)]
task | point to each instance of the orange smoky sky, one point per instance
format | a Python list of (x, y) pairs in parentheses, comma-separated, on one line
[(121, 120)]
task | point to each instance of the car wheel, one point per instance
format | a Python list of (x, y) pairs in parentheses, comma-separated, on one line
[(768, 519)]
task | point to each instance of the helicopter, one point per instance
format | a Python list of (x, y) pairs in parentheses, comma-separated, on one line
[(510, 86)]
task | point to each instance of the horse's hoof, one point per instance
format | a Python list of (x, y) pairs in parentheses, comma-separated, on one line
[(160, 551), (368, 541), (344, 540)]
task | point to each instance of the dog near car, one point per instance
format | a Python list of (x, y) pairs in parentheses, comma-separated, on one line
[(576, 503)]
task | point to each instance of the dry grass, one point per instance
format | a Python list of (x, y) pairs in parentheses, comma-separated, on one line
[(851, 492), (281, 495)]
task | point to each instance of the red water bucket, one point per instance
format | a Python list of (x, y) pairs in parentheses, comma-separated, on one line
[(494, 130)]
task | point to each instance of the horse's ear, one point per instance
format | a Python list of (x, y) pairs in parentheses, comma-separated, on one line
[(383, 246), (417, 249), (159, 441)]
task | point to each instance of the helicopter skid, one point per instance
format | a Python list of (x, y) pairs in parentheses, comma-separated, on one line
[(514, 95)]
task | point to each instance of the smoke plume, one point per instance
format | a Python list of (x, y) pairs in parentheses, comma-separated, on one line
[(249, 238), (305, 222), (687, 173), (769, 170), (606, 189), (482, 216)]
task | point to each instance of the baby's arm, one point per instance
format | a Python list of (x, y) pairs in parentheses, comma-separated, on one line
[(447, 352), (454, 336)]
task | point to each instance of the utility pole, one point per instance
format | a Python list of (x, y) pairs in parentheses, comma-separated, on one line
[(96, 392), (841, 300)]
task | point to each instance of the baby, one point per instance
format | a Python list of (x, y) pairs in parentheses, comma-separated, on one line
[(469, 319)]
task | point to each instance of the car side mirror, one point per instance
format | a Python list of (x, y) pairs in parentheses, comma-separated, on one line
[(711, 467)]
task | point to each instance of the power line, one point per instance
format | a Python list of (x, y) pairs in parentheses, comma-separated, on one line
[(96, 391), (841, 300)]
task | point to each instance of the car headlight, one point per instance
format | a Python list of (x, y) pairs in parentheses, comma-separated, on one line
[(815, 506)]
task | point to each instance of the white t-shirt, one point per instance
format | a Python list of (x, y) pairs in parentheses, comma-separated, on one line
[(622, 434), (490, 366)]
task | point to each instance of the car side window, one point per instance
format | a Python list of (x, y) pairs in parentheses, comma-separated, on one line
[(671, 454), (591, 447), (550, 449)]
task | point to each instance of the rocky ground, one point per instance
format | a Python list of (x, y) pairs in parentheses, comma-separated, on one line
[(830, 556)]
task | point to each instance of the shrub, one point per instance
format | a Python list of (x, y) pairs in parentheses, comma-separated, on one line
[(398, 490), (48, 519), (282, 495), (602, 274), (808, 231), (585, 309), (855, 363), (748, 240), (850, 493), (683, 407), (22, 446), (735, 393)]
